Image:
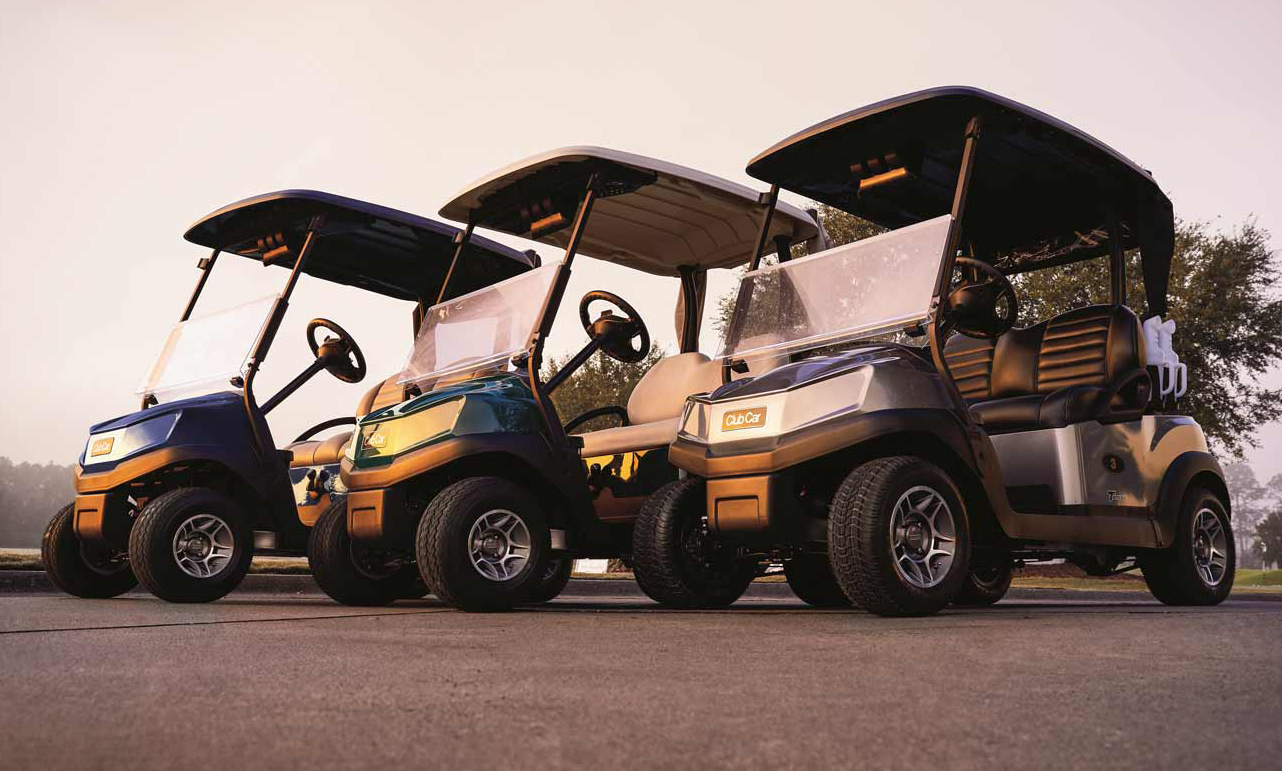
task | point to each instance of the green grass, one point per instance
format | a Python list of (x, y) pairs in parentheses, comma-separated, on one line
[(1261, 578)]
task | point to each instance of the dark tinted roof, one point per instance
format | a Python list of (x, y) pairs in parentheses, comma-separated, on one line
[(363, 245), (1041, 192)]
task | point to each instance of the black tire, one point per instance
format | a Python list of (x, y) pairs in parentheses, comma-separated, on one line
[(82, 568), (444, 550), (352, 574), (554, 579), (1173, 574), (810, 578), (673, 563), (985, 585), (152, 545), (859, 537)]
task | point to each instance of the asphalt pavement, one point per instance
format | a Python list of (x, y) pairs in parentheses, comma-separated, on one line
[(603, 679)]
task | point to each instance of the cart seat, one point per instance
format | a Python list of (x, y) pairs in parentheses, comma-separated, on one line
[(1085, 364), (321, 452), (654, 409)]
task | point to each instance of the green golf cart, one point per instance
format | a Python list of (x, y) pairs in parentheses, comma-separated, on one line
[(496, 491)]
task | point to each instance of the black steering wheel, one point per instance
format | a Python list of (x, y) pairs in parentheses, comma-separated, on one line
[(341, 355), (975, 308), (615, 332)]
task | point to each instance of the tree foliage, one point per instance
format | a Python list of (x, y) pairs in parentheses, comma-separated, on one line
[(1222, 296), (1228, 319), (1268, 539), (601, 382), (30, 494)]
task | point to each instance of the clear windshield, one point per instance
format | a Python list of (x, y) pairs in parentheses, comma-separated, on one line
[(877, 285), (204, 353), (481, 330)]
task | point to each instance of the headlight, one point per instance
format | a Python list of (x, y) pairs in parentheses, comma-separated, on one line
[(113, 445), (396, 435)]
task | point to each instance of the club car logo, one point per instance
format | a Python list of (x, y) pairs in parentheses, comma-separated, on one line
[(736, 420), (102, 447)]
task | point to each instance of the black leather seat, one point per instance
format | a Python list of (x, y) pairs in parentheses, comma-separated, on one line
[(1086, 364)]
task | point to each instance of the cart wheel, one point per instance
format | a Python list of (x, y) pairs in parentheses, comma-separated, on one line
[(810, 578), (1198, 568), (482, 544), (192, 544), (355, 574), (675, 561), (985, 585), (83, 568), (554, 579), (898, 537)]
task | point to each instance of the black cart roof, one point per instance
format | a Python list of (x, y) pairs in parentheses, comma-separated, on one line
[(364, 245), (655, 216), (1043, 192)]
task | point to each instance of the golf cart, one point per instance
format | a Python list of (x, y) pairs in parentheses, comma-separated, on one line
[(478, 470), (182, 493), (904, 477)]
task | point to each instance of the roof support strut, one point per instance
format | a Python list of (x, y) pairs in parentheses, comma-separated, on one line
[(547, 313), (944, 282), (1116, 260), (265, 338), (460, 241)]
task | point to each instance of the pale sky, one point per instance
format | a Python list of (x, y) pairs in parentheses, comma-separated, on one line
[(125, 122)]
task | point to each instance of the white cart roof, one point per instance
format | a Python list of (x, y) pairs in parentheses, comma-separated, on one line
[(656, 216)]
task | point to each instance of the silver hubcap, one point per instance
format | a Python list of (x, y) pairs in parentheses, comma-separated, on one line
[(1210, 547), (203, 546), (923, 537), (499, 545)]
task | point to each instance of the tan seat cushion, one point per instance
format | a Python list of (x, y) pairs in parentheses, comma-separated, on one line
[(661, 393), (319, 452), (655, 407), (639, 436)]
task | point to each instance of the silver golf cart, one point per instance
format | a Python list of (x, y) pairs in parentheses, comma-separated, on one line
[(920, 442)]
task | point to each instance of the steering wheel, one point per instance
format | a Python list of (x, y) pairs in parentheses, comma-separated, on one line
[(974, 307), (615, 332), (341, 355)]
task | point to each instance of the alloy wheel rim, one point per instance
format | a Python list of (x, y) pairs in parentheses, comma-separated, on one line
[(499, 545), (923, 537), (203, 545), (1210, 547)]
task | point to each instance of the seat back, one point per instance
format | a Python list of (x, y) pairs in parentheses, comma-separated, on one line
[(970, 360), (1091, 346), (661, 393), (1095, 346)]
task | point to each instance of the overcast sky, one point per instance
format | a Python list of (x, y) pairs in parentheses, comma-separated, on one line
[(125, 122)]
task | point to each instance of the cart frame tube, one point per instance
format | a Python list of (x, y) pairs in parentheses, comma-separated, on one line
[(268, 335)]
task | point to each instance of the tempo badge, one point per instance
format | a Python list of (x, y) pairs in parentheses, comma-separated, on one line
[(736, 420)]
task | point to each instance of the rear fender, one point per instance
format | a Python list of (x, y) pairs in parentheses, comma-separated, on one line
[(1191, 469)]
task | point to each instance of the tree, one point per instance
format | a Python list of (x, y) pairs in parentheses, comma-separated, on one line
[(30, 494), (601, 382), (1268, 539), (1222, 296), (1250, 502)]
